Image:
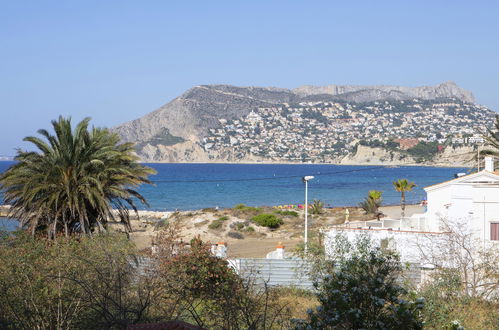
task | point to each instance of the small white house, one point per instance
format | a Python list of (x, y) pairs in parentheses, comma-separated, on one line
[(472, 198)]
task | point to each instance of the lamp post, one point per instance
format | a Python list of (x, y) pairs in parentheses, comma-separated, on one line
[(305, 180)]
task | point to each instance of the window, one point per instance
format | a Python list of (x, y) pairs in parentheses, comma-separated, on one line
[(494, 231)]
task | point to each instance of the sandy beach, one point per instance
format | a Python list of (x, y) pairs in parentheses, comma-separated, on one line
[(234, 228)]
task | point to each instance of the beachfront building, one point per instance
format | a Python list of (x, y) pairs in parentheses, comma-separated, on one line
[(469, 201)]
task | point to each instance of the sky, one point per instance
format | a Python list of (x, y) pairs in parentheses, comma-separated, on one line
[(115, 61)]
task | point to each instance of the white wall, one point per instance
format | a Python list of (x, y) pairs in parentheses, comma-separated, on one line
[(485, 209), (437, 199), (409, 245), (474, 201)]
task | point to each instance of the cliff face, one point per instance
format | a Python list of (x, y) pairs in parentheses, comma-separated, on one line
[(192, 114), (376, 156), (453, 157), (355, 93), (175, 131)]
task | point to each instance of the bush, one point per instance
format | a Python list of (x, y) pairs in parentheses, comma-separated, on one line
[(361, 292), (239, 225), (446, 303), (423, 151), (287, 213), (215, 224), (245, 208), (80, 278), (250, 229), (317, 207), (223, 218), (267, 220)]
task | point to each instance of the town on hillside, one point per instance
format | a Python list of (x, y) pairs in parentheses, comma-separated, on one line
[(323, 131)]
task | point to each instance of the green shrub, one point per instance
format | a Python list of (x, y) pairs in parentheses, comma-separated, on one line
[(245, 208), (215, 224), (362, 292), (267, 220), (423, 151), (250, 229), (317, 207), (239, 225), (287, 213), (223, 218), (240, 206)]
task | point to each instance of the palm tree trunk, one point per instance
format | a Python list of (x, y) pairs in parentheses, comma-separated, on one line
[(403, 204)]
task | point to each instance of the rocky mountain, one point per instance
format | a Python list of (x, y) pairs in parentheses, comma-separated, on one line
[(177, 130), (353, 93)]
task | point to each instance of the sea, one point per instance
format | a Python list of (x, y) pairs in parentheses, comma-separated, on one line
[(197, 186)]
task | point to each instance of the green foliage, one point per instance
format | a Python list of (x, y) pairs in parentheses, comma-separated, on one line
[(215, 224), (239, 225), (287, 213), (317, 207), (70, 283), (247, 209), (423, 151), (403, 186), (447, 307), (223, 218), (250, 229), (74, 181), (361, 292), (267, 220), (372, 203), (317, 115), (493, 142)]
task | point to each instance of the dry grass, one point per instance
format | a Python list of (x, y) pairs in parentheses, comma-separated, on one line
[(297, 301)]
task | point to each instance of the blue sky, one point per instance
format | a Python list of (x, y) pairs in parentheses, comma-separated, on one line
[(118, 60)]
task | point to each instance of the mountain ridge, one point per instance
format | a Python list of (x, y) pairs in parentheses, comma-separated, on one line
[(190, 117)]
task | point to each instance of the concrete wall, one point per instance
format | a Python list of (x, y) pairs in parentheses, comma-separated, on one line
[(409, 244)]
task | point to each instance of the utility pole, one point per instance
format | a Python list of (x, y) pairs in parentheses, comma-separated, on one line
[(306, 179)]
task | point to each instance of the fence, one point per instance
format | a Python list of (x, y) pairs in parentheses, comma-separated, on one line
[(274, 272)]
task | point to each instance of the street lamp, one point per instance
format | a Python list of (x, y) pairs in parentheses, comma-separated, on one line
[(306, 179)]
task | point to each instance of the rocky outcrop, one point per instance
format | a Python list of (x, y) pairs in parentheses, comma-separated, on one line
[(450, 156), (376, 156), (354, 93)]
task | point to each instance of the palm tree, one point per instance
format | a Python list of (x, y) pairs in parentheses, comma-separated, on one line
[(492, 141), (402, 186), (75, 182), (372, 203), (317, 207)]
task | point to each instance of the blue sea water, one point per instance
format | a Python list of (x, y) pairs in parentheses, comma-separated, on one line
[(195, 186), (8, 224)]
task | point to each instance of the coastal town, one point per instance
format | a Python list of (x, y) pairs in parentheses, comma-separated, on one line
[(249, 165), (321, 131)]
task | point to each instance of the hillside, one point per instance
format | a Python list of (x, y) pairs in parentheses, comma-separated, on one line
[(222, 123)]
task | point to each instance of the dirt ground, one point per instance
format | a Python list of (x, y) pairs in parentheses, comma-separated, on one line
[(243, 237)]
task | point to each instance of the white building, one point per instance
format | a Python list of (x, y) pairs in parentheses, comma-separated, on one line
[(472, 198)]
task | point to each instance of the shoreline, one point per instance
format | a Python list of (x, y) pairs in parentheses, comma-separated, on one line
[(301, 163), (154, 214)]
